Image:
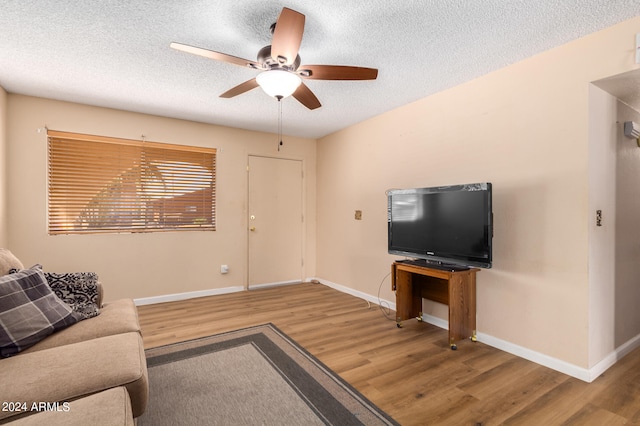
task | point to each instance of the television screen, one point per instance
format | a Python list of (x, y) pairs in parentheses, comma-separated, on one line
[(445, 225)]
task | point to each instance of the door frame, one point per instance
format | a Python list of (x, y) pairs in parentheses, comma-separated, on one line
[(303, 208)]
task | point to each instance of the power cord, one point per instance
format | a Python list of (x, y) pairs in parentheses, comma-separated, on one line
[(386, 313)]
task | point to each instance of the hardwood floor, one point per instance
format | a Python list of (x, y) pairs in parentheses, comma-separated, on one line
[(409, 372)]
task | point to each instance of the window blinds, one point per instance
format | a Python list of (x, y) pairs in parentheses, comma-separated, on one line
[(101, 184)]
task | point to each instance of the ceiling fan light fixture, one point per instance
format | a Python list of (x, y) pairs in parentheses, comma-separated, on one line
[(278, 83)]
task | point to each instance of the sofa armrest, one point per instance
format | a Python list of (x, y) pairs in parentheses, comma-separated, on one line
[(109, 407), (69, 372)]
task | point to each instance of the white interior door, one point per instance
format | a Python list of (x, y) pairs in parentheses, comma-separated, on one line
[(275, 221)]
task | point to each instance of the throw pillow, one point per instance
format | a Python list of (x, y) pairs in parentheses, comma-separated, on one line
[(29, 311), (8, 261), (79, 290)]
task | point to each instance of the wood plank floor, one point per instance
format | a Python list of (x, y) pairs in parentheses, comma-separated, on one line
[(409, 372)]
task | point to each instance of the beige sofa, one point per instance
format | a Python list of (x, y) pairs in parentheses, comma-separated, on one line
[(92, 372)]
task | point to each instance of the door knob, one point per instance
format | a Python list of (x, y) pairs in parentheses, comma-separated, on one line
[(252, 229)]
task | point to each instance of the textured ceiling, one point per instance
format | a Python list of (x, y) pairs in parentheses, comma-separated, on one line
[(115, 53)]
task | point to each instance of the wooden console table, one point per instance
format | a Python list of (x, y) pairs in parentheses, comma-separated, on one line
[(457, 289)]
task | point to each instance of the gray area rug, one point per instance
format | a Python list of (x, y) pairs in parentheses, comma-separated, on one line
[(252, 376)]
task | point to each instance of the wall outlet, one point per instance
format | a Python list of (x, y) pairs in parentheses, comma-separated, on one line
[(224, 269)]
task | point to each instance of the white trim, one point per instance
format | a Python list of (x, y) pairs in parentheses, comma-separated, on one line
[(537, 357), (356, 293), (587, 375), (275, 284), (619, 353), (438, 322), (522, 352), (203, 293), (184, 296)]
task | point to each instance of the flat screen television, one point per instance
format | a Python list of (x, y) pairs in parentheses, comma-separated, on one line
[(444, 225)]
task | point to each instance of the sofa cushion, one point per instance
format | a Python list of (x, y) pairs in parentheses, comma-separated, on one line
[(69, 372), (120, 316), (108, 408), (8, 261), (77, 289), (29, 311)]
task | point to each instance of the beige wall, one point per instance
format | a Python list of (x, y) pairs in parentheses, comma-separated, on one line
[(524, 128), (3, 168), (142, 265)]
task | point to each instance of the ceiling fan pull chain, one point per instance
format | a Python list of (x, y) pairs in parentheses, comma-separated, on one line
[(279, 122)]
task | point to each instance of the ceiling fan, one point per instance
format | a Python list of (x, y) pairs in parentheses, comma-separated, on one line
[(281, 74)]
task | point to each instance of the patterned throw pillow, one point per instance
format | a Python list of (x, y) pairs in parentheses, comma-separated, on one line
[(77, 289), (29, 311)]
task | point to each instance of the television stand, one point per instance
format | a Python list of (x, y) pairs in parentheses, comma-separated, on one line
[(457, 289)]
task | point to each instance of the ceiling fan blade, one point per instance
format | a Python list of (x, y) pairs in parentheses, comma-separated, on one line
[(305, 96), (337, 72), (215, 55), (240, 88), (287, 36)]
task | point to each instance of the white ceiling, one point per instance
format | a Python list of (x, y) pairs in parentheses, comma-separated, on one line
[(115, 53)]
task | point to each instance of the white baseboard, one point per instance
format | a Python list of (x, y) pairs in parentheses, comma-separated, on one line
[(438, 322), (203, 293), (522, 352), (587, 375), (619, 353), (537, 357), (275, 284), (184, 296), (356, 293)]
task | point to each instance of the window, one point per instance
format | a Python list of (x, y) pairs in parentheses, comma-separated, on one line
[(101, 184)]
